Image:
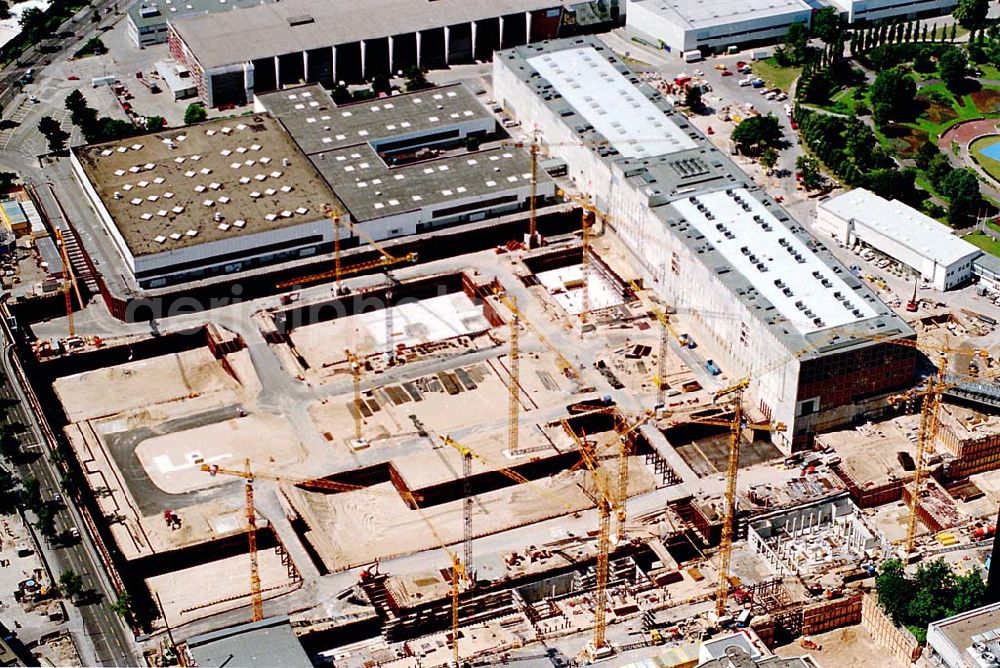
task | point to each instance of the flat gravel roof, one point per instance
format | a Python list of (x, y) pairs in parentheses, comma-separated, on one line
[(163, 190)]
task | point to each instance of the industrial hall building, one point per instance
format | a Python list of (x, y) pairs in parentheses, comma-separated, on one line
[(818, 345)]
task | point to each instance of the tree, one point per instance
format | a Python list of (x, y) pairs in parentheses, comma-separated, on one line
[(30, 494), (756, 134), (925, 153), (954, 31), (53, 132), (952, 67), (32, 19), (381, 84), (155, 123), (961, 187), (809, 174), (796, 45), (937, 169), (195, 113), (7, 180), (970, 592), (70, 583), (893, 589), (75, 101), (415, 79), (46, 523), (10, 444), (827, 25), (894, 89), (768, 159), (122, 607), (970, 13), (692, 98), (4, 10)]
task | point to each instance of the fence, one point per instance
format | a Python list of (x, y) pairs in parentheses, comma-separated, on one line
[(899, 642)]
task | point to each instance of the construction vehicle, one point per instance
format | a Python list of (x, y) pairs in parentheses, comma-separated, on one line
[(385, 260), (911, 304), (249, 476)]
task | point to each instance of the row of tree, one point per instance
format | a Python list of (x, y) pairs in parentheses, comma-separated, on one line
[(850, 150), (99, 129)]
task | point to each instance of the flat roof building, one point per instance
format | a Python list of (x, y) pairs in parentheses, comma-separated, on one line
[(929, 248), (269, 642), (714, 25), (146, 20), (296, 41), (218, 197), (860, 12), (776, 303), (967, 640), (386, 161)]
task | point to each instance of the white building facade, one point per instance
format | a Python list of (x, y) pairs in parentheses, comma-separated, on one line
[(713, 25), (774, 302), (929, 248), (875, 11)]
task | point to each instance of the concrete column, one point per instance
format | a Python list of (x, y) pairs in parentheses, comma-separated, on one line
[(333, 65), (392, 71), (447, 45), (527, 27), (419, 62), (248, 79), (277, 73), (474, 52), (364, 50), (305, 65), (501, 32)]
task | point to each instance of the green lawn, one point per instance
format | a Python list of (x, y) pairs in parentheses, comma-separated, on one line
[(774, 75), (984, 241), (990, 165)]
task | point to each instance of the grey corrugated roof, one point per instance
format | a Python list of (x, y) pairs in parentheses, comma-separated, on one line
[(264, 32), (269, 642)]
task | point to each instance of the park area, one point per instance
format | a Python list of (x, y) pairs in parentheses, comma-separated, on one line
[(986, 151)]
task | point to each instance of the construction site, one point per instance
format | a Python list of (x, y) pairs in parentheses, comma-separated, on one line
[(437, 450)]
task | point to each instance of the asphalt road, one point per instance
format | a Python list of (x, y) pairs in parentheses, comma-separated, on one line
[(112, 641), (33, 56)]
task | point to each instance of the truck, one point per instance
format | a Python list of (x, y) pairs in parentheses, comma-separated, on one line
[(692, 56), (760, 54)]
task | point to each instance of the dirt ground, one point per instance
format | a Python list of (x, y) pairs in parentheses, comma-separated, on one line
[(850, 647), (173, 461), (542, 386), (193, 593), (357, 527), (426, 321), (143, 383)]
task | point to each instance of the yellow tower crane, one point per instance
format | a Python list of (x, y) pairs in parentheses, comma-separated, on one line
[(514, 389), (666, 330), (624, 450), (736, 425), (356, 378), (385, 260), (249, 476), (599, 647), (930, 409), (69, 283)]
